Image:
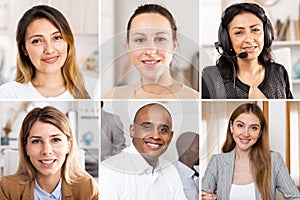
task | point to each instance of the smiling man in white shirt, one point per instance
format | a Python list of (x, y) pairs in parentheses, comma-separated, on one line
[(138, 172)]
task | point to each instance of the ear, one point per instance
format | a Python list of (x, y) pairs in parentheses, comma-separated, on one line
[(127, 43), (131, 130), (69, 145), (25, 51), (231, 127), (26, 150), (171, 136), (175, 43)]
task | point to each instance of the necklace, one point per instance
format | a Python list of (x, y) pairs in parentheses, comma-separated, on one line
[(256, 83)]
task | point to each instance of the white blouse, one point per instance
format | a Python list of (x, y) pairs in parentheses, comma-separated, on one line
[(245, 192)]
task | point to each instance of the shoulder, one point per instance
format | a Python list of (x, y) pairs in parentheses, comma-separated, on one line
[(12, 179), (14, 89), (12, 185), (85, 187), (124, 91), (276, 158), (188, 92), (276, 67)]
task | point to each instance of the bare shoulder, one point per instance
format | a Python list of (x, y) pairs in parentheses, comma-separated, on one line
[(121, 92)]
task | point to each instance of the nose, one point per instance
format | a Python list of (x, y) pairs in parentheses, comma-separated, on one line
[(155, 134), (46, 149), (249, 38), (246, 132), (151, 49), (48, 47)]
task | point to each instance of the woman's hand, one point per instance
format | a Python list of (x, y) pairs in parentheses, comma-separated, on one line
[(208, 195)]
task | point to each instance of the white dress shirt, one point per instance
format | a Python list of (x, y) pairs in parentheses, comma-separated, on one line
[(128, 176), (189, 181)]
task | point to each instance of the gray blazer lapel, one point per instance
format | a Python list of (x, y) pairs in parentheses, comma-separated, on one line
[(230, 157)]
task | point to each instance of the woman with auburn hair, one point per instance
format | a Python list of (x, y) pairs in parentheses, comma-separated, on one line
[(48, 166), (46, 61), (247, 169)]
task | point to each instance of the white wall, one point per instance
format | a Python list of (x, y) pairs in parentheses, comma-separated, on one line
[(277, 126)]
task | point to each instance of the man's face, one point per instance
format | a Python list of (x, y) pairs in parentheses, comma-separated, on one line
[(152, 132)]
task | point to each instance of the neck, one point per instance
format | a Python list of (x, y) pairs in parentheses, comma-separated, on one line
[(48, 80), (185, 161), (240, 155), (48, 183), (162, 80), (248, 66)]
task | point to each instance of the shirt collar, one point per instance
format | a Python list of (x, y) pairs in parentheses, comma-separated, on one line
[(44, 195), (185, 169)]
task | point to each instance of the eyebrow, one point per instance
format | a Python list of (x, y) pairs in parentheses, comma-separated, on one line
[(37, 35), (245, 123), (39, 137), (150, 123), (242, 27)]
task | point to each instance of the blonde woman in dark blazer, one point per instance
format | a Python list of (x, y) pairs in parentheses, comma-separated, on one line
[(247, 169), (48, 164)]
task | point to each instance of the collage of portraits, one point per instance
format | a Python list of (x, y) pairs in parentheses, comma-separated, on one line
[(149, 100)]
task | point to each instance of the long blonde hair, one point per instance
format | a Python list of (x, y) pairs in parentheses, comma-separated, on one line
[(259, 153), (71, 169), (70, 70)]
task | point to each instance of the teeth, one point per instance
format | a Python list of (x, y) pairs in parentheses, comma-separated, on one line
[(150, 62), (153, 145), (47, 162)]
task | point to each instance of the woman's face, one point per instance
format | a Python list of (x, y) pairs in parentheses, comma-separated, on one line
[(246, 34), (245, 130), (151, 46), (45, 47), (47, 148)]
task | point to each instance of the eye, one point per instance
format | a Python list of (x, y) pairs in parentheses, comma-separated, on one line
[(164, 129), (58, 37), (147, 127), (254, 128), (160, 39), (35, 141), (139, 40), (36, 41), (56, 140), (239, 125), (256, 29), (238, 33)]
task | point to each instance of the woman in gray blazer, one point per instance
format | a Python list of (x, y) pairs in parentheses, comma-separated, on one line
[(247, 169)]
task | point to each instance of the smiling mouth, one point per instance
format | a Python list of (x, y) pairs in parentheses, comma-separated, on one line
[(250, 49), (47, 162), (50, 60), (154, 146), (245, 141), (150, 62)]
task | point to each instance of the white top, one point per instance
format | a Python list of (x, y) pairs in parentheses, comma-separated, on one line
[(189, 181), (128, 176), (16, 90), (244, 192)]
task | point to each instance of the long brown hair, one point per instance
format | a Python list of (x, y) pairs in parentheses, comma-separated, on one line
[(71, 169), (260, 151), (70, 70)]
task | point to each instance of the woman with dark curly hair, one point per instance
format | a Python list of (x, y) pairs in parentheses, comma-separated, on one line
[(245, 69)]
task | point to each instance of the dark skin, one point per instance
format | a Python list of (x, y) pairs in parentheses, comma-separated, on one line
[(152, 132)]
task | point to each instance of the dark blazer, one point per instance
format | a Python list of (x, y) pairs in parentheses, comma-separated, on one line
[(12, 187), (219, 173)]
